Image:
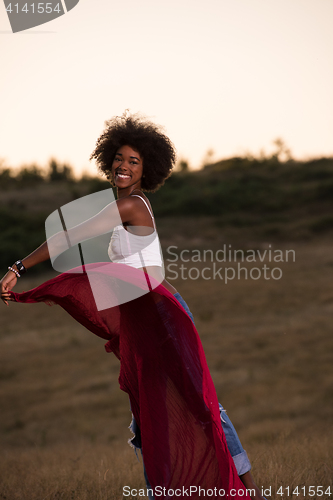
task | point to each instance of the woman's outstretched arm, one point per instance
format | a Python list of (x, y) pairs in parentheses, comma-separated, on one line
[(112, 215)]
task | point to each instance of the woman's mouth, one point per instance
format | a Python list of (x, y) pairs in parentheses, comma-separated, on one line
[(123, 176)]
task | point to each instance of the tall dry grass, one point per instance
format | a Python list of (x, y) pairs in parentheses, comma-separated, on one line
[(269, 348)]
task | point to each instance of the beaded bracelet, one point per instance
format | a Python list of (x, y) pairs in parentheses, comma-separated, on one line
[(14, 271)]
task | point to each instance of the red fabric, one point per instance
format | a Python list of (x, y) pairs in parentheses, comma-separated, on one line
[(163, 370)]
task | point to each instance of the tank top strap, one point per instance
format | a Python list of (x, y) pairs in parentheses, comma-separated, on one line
[(147, 207)]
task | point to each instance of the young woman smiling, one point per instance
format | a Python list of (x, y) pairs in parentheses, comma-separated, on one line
[(177, 420)]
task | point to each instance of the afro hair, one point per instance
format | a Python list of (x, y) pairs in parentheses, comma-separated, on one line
[(155, 148)]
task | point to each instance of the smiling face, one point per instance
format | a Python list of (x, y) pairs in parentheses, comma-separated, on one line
[(127, 170)]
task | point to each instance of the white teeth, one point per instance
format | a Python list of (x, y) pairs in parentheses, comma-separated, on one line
[(122, 176)]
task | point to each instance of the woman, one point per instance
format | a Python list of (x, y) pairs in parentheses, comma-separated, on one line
[(137, 156)]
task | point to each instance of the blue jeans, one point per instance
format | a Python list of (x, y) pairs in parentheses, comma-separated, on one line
[(236, 450)]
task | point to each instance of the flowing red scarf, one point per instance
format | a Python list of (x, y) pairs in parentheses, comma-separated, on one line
[(164, 371)]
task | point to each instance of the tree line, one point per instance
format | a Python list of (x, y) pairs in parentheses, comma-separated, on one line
[(276, 195)]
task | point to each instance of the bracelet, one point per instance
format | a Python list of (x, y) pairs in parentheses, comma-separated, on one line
[(14, 271), (20, 267)]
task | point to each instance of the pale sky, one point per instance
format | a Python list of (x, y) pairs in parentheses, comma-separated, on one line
[(231, 75)]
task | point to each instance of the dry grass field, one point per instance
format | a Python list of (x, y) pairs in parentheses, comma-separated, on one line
[(269, 346)]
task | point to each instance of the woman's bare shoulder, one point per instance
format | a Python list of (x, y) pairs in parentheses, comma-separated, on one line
[(131, 208)]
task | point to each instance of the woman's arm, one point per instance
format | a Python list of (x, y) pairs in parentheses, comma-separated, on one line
[(10, 279), (112, 215)]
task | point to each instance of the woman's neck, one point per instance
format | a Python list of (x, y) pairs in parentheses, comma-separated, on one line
[(122, 193)]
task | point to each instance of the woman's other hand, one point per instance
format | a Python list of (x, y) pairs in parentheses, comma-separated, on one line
[(7, 283)]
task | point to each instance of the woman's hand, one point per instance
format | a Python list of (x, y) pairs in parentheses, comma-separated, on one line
[(7, 283)]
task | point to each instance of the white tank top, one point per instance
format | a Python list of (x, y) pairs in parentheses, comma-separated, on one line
[(134, 250)]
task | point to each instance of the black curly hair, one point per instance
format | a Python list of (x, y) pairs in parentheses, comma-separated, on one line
[(155, 148)]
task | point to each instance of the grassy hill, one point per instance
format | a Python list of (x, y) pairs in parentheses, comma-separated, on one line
[(268, 342)]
